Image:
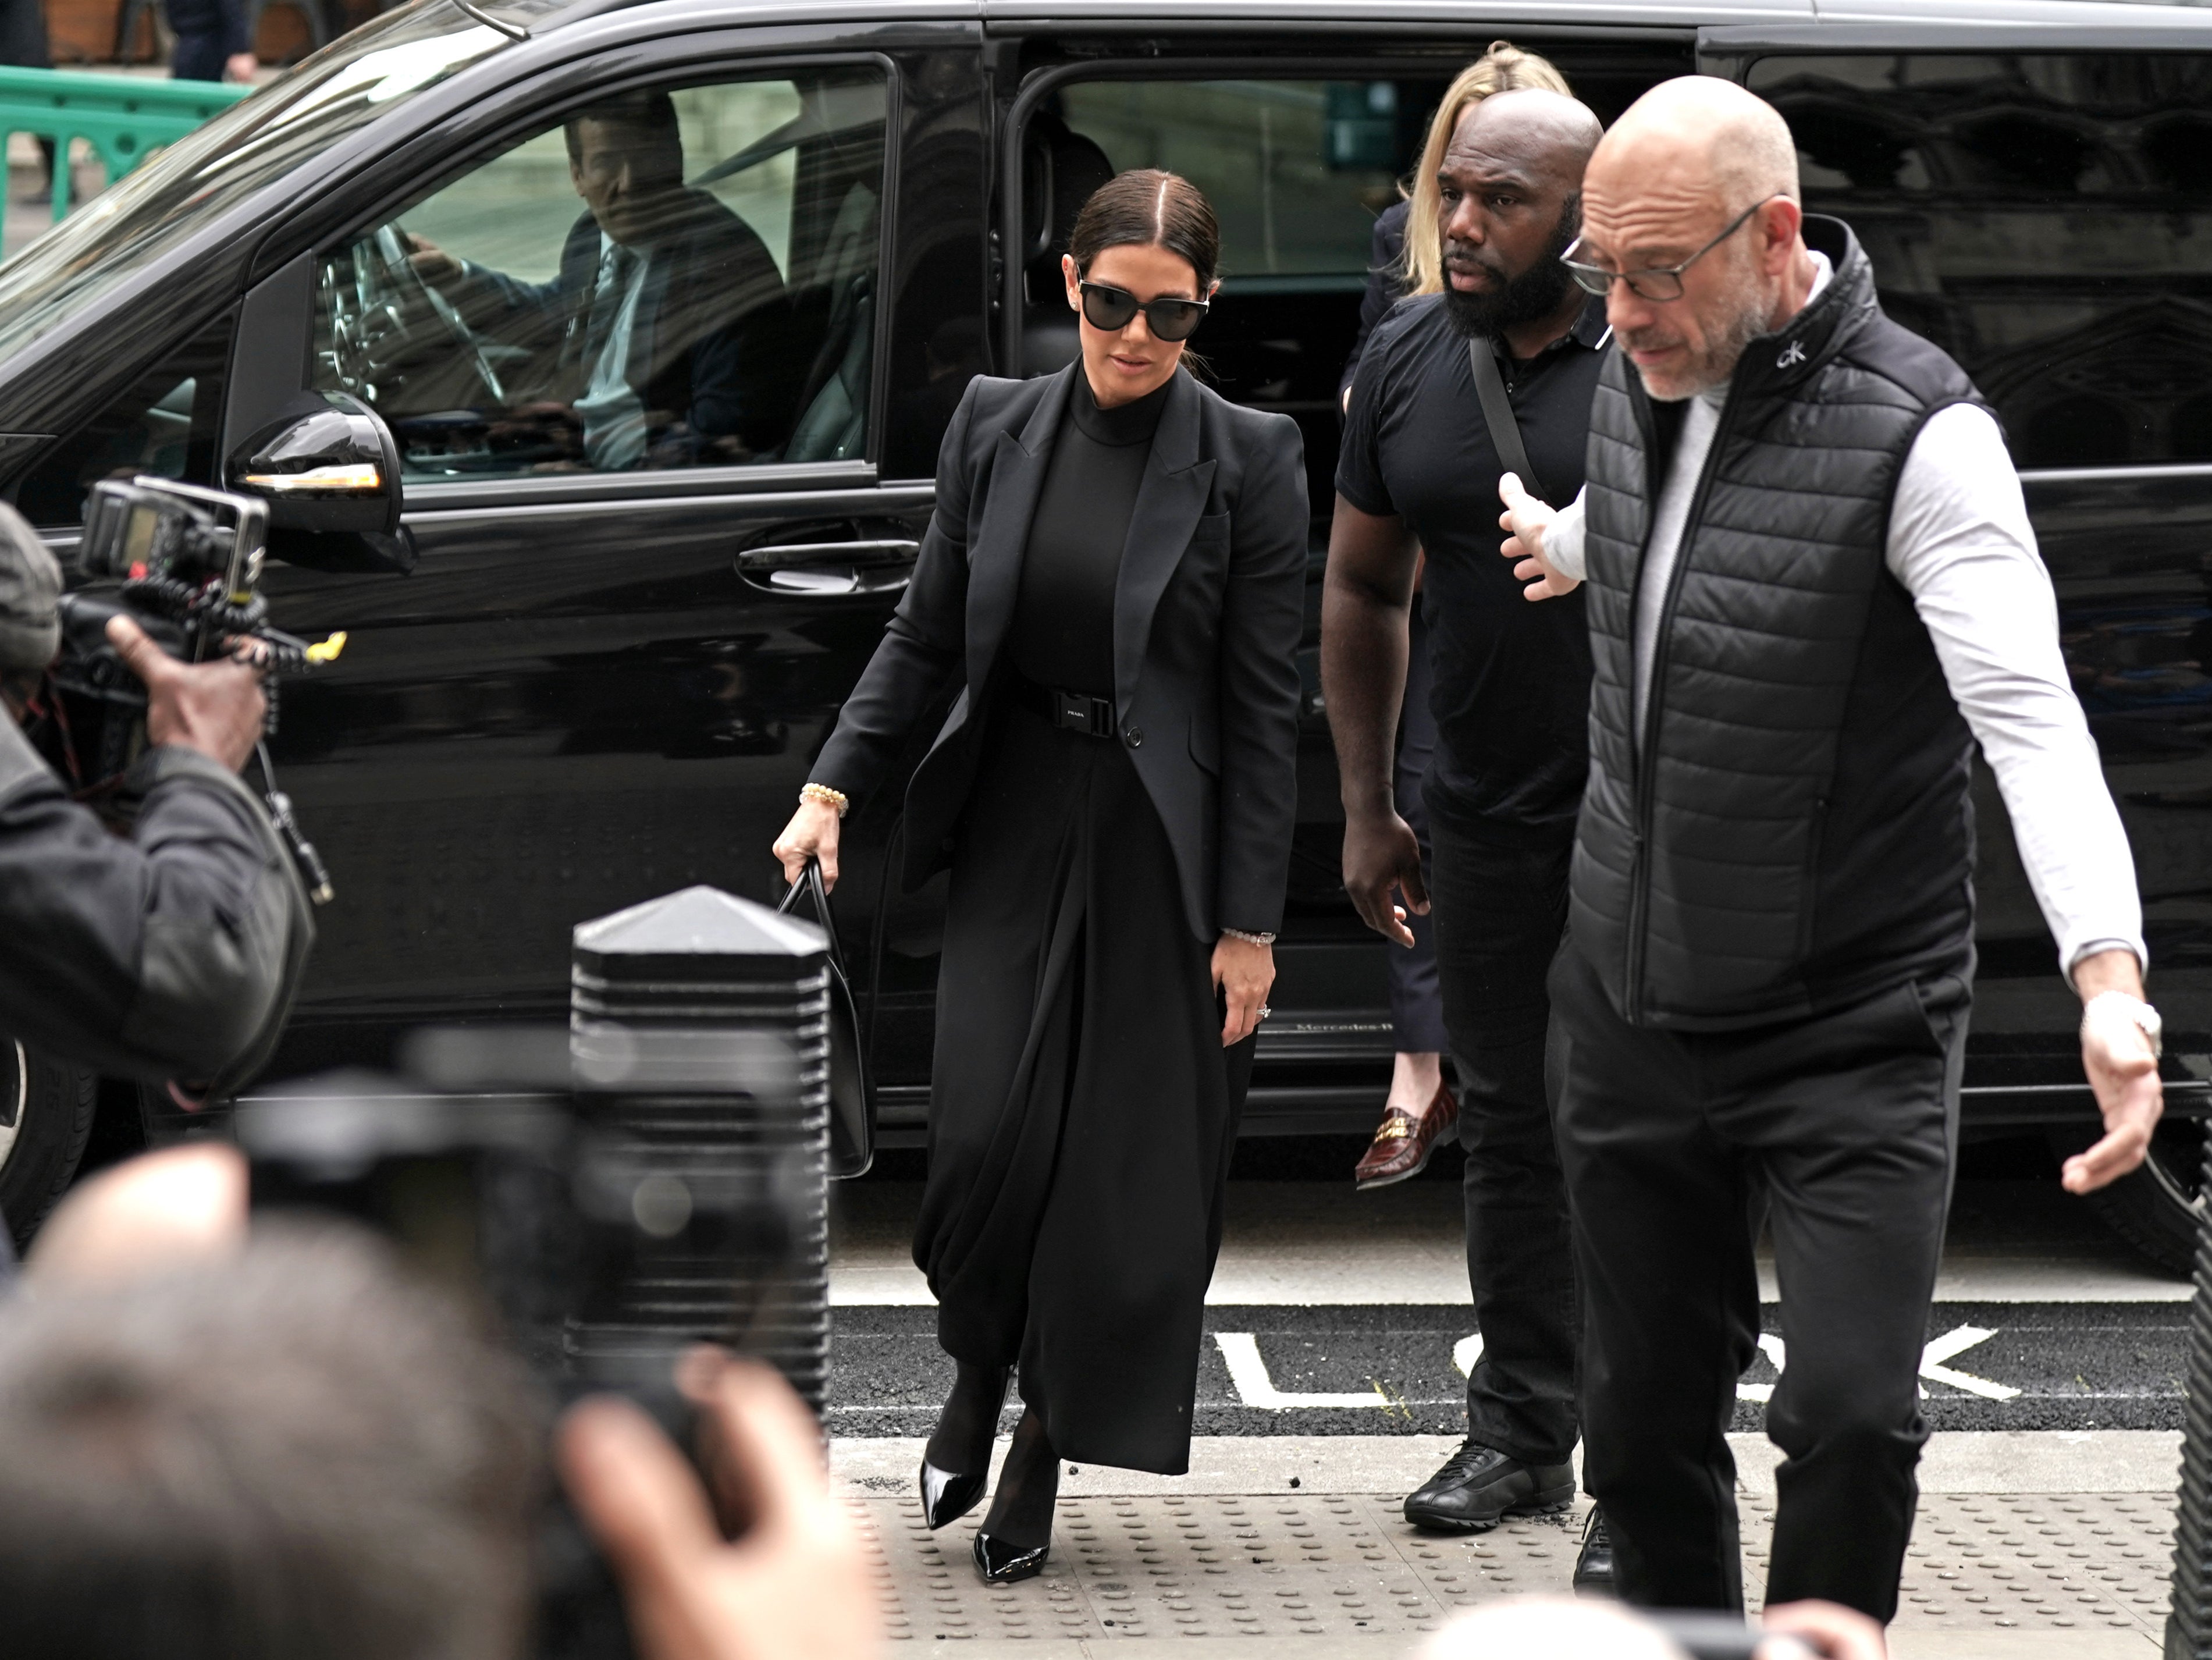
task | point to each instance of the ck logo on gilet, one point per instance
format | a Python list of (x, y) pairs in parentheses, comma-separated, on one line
[(1792, 353)]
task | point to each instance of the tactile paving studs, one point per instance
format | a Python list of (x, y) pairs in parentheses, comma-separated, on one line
[(1344, 1565), (2043, 1561)]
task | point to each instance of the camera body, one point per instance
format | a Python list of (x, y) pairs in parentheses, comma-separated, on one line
[(582, 1220), (559, 1219), (185, 564), (191, 555)]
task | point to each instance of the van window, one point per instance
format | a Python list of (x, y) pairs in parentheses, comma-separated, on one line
[(362, 77), (673, 277), (1296, 171), (164, 424), (2046, 219)]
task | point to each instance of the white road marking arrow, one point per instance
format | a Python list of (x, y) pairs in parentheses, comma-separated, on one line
[(1466, 1353), (1771, 1346), (1960, 1338), (1248, 1372), (1957, 1340)]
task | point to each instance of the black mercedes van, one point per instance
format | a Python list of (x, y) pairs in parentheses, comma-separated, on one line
[(593, 686)]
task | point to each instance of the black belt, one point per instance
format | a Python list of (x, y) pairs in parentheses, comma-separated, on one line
[(1075, 711)]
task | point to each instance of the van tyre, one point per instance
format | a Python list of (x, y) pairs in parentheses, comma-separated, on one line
[(45, 1118), (2153, 1209)]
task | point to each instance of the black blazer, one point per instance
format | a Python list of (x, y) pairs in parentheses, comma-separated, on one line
[(1206, 616)]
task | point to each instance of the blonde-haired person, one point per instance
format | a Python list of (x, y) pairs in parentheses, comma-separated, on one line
[(1400, 264), (1421, 1110)]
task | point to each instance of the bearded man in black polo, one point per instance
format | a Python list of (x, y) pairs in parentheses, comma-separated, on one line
[(1811, 588), (1511, 687)]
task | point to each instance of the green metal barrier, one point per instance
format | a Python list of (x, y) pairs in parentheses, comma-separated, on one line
[(125, 118)]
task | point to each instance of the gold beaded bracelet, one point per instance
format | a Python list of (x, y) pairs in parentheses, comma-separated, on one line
[(827, 797)]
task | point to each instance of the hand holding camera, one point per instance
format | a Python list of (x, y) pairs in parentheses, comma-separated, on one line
[(217, 707), (700, 1586)]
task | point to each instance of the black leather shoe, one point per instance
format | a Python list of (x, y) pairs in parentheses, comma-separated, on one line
[(1479, 1487), (1002, 1563), (1593, 1567), (947, 1497)]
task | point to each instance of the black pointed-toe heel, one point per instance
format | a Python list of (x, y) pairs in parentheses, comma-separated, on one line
[(970, 1416), (1002, 1563), (947, 1497)]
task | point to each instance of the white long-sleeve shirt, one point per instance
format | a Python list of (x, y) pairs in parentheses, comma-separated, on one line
[(1960, 541)]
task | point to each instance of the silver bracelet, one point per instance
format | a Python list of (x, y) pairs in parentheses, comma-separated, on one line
[(1249, 939)]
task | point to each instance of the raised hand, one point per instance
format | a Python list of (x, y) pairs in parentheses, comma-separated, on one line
[(1524, 522), (430, 261)]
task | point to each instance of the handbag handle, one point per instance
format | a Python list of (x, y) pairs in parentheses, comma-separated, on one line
[(809, 883)]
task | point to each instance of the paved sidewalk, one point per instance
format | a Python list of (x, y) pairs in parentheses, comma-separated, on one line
[(2029, 1545)]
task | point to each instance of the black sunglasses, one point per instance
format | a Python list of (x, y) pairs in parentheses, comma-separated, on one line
[(1111, 310)]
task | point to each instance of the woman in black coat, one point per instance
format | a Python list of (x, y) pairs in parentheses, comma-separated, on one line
[(1115, 571)]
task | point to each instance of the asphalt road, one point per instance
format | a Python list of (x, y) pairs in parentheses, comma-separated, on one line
[(1333, 1369), (1341, 1314)]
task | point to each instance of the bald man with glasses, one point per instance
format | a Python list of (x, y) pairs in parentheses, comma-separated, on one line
[(1811, 588)]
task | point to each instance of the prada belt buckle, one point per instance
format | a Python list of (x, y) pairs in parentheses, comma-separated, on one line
[(1080, 713)]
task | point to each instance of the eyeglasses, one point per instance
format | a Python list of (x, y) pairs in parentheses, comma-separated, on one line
[(1111, 310), (1660, 283)]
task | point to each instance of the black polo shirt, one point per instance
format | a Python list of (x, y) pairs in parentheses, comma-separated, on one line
[(1511, 694)]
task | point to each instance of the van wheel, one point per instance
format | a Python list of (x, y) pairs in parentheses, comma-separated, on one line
[(2155, 1208), (45, 1118)]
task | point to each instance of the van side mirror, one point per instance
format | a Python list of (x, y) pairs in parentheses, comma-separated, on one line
[(329, 469)]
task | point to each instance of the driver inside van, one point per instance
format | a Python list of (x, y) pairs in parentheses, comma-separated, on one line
[(667, 323)]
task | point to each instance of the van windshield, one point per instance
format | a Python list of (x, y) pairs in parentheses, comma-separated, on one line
[(335, 92)]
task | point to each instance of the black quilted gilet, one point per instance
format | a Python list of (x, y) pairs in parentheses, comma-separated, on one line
[(1796, 834)]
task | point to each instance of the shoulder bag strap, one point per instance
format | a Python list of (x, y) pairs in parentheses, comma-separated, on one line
[(1498, 411)]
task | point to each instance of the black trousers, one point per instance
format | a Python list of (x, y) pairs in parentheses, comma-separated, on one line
[(1083, 1111), (207, 32), (1847, 1124), (1499, 904)]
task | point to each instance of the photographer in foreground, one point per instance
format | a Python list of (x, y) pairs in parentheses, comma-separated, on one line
[(171, 955), (217, 1444)]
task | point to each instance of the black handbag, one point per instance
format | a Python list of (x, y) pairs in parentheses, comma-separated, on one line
[(851, 1095)]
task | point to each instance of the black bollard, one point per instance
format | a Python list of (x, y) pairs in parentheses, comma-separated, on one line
[(2189, 1626), (699, 1035)]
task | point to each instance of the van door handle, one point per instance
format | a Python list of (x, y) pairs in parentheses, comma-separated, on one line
[(828, 570), (796, 555)]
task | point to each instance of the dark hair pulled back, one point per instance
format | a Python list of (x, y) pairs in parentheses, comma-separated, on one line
[(1146, 207)]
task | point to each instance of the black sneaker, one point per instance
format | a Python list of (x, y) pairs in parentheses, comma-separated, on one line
[(1593, 1567), (1479, 1487)]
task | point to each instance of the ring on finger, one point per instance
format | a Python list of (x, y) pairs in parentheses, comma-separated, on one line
[(1265, 1012)]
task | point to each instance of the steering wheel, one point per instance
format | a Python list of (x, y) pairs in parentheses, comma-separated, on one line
[(399, 273)]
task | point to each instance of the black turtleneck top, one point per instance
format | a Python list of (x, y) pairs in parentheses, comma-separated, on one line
[(1063, 629)]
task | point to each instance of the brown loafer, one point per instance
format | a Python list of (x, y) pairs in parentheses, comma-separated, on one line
[(1403, 1142)]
